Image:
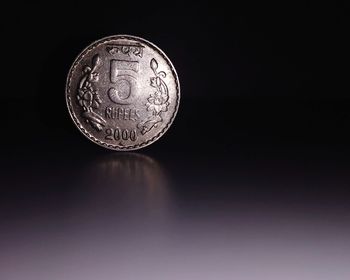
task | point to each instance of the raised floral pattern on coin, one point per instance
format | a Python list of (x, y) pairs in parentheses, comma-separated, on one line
[(122, 92)]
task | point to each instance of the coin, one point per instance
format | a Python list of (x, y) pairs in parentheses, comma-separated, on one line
[(122, 92)]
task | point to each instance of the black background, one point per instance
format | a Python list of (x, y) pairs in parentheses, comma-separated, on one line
[(274, 70), (263, 123)]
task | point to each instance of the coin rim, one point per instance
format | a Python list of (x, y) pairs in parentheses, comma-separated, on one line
[(68, 92)]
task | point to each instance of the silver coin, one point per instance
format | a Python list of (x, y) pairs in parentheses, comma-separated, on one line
[(122, 92)]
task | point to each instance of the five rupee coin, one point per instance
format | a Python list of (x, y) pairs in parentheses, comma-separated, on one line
[(122, 92)]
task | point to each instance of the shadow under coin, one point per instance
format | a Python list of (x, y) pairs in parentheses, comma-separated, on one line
[(127, 185)]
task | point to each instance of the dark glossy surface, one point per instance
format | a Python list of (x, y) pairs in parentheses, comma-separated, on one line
[(263, 197)]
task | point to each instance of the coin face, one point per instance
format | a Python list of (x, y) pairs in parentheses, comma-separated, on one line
[(122, 92)]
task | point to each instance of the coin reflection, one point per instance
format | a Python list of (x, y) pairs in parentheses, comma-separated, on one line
[(128, 182)]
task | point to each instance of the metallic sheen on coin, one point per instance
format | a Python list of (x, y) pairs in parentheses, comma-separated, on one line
[(122, 92)]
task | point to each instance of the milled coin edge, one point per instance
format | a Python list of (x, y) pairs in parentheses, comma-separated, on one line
[(68, 91)]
